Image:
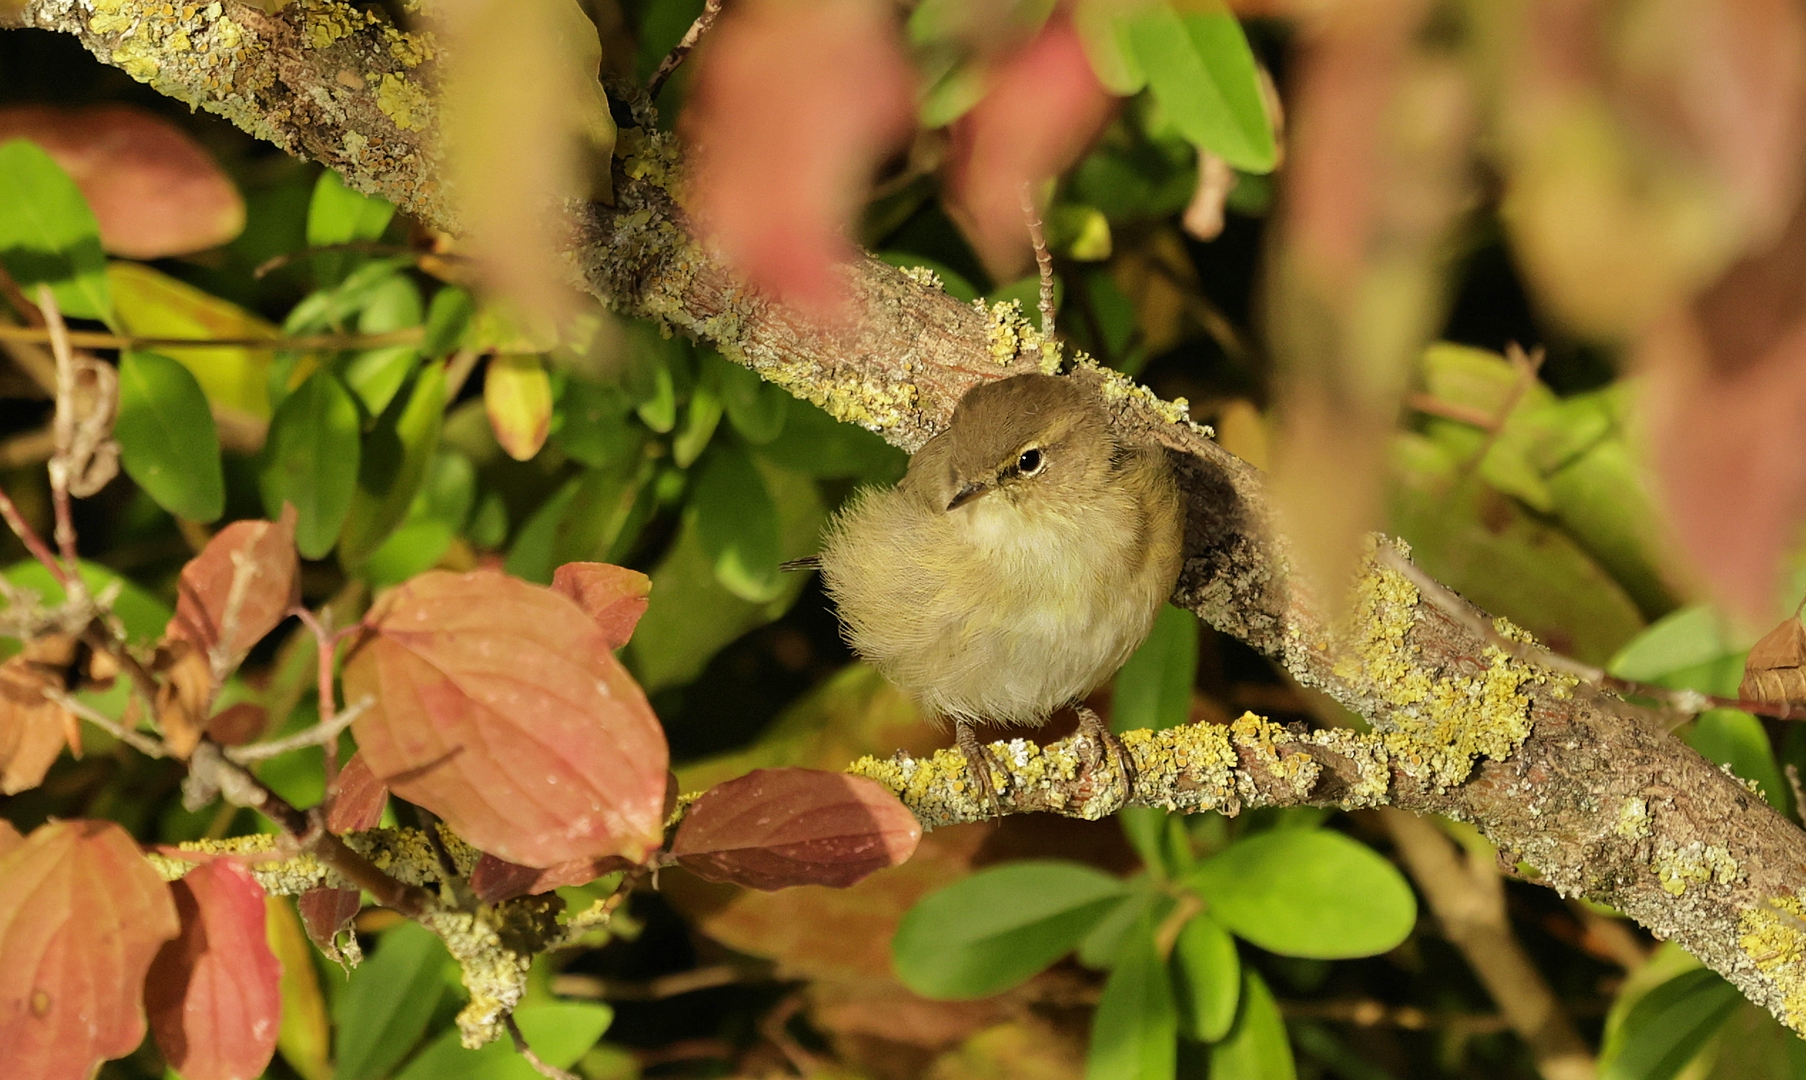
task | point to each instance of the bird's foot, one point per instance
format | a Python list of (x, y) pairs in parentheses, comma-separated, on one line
[(1098, 744), (978, 763)]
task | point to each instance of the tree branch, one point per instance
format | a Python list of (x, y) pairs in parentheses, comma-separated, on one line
[(1600, 804)]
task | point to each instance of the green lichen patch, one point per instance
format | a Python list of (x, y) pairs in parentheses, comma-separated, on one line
[(1115, 386), (1679, 866), (1773, 936), (923, 276), (1633, 819)]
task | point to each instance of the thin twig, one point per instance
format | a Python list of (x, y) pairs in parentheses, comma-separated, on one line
[(1526, 365), (1368, 1013), (326, 643), (93, 339), (656, 989), (1043, 260), (325, 733), (63, 425), (550, 1072), (710, 10), (1799, 792), (32, 541), (138, 741), (362, 247), (1688, 702)]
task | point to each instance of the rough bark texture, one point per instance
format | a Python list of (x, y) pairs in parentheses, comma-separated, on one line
[(1599, 804)]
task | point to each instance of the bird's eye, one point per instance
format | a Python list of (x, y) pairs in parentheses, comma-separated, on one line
[(1030, 462)]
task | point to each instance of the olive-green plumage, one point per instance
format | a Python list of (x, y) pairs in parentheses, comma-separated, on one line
[(1019, 562)]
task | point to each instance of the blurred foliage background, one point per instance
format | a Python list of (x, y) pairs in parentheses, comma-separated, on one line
[(421, 428)]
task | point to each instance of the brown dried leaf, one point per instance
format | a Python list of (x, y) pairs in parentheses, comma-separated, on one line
[(213, 994), (236, 725), (356, 798), (33, 730), (154, 190), (81, 916), (614, 596), (325, 912), (501, 707), (495, 880), (784, 148), (1776, 668), (182, 697), (258, 557), (1045, 106), (774, 828)]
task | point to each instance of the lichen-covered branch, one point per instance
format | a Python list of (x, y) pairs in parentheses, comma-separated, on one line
[(1600, 804)]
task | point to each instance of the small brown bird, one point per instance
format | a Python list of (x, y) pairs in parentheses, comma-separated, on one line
[(1018, 564)]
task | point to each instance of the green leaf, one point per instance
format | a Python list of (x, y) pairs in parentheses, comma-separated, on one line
[(1693, 648), (816, 444), (737, 522), (339, 215), (150, 303), (756, 408), (559, 1034), (387, 1002), (1668, 1027), (530, 556), (1202, 73), (1735, 738), (1104, 34), (995, 929), (592, 424), (167, 441), (1256, 1048), (375, 375), (393, 464), (1027, 292), (600, 513), (413, 549), (311, 460), (1134, 1033), (701, 417), (47, 233), (144, 615), (1103, 943), (1207, 979), (447, 319), (1311, 893), (1153, 690)]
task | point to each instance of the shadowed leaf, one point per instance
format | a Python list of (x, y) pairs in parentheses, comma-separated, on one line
[(501, 708), (47, 232), (167, 440), (81, 916), (495, 880), (213, 993), (255, 560), (325, 911)]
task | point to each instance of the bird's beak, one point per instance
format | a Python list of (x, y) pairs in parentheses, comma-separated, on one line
[(965, 495)]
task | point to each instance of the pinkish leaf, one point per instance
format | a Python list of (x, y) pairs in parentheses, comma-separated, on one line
[(774, 828), (325, 911), (614, 596), (33, 729), (785, 148), (500, 707), (81, 915), (356, 798), (1045, 106), (260, 557), (213, 993), (154, 190), (236, 725), (495, 880)]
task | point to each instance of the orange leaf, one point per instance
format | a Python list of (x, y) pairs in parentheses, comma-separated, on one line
[(270, 583), (9, 837), (517, 393), (33, 729), (786, 145), (500, 707), (1776, 668), (1043, 109), (182, 697), (614, 596), (154, 190), (774, 828), (356, 798), (213, 994), (81, 916)]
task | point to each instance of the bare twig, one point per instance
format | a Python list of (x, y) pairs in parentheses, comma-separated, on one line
[(63, 426), (138, 741), (657, 989), (1043, 261), (362, 247), (32, 541), (710, 10), (92, 339), (520, 1045), (323, 734), (326, 642), (1369, 1013)]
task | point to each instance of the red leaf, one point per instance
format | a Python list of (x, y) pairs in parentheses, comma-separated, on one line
[(324, 912), (154, 190), (356, 798), (266, 550), (500, 707), (213, 993), (614, 596), (33, 730), (236, 725), (1043, 109), (785, 148), (774, 828), (495, 880), (81, 916)]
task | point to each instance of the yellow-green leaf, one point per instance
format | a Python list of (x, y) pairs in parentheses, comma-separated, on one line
[(517, 393), (153, 304)]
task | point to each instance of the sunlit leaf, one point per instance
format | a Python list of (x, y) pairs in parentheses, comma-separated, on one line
[(1000, 926), (701, 416), (1256, 1048), (247, 575), (81, 916), (375, 375), (339, 215), (383, 1009), (495, 880), (1105, 34), (775, 828), (214, 993), (167, 441), (518, 396), (1694, 647), (47, 233), (558, 1032), (614, 596), (1201, 71), (144, 615), (33, 729), (1307, 892), (1735, 738), (355, 798), (311, 461), (459, 664), (1135, 1031), (153, 304)]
